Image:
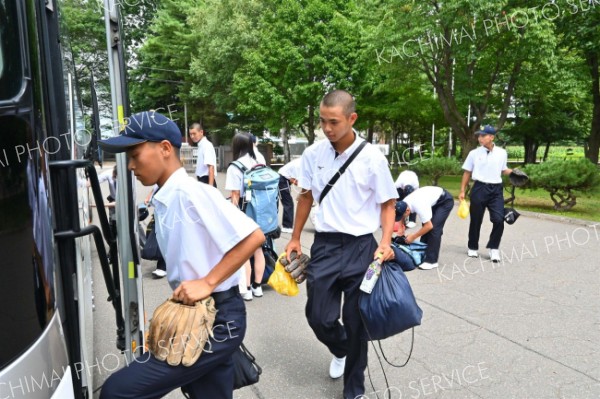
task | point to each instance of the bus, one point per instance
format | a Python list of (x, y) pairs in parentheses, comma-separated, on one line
[(46, 174)]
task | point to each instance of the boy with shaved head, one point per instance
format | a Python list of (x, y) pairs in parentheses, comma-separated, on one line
[(362, 200)]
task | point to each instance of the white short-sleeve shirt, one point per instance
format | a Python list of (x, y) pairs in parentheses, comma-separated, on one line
[(407, 178), (486, 166), (107, 176), (353, 205), (235, 177), (206, 157), (195, 228), (422, 200), (291, 170)]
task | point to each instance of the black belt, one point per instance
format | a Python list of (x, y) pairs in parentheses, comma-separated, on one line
[(487, 184), (222, 296)]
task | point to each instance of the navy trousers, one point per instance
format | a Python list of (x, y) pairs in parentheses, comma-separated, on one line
[(491, 197), (337, 267), (211, 377), (287, 202), (440, 212), (204, 179)]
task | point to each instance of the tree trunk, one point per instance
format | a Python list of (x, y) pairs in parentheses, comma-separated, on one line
[(467, 144), (593, 142), (454, 142), (370, 132), (311, 124), (284, 140), (531, 147), (546, 151)]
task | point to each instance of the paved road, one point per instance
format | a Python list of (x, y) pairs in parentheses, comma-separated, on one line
[(527, 327)]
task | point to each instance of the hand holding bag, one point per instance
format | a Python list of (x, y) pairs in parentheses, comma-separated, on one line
[(391, 307), (282, 282)]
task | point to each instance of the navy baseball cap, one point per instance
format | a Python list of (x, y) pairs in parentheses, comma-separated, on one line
[(401, 207), (487, 129), (143, 127)]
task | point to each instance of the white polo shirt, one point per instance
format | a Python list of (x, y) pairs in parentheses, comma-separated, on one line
[(235, 177), (195, 227), (291, 170), (486, 166), (422, 200), (206, 156), (107, 176), (353, 205), (407, 178)]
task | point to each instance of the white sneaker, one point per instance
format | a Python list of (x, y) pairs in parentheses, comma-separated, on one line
[(428, 266), (257, 291), (495, 255), (247, 295), (472, 253), (287, 230), (336, 368), (158, 273), (410, 225)]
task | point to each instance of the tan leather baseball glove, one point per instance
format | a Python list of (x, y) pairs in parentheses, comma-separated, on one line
[(178, 332)]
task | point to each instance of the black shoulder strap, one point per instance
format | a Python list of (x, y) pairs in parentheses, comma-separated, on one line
[(341, 171)]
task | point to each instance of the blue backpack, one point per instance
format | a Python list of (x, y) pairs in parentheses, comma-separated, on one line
[(263, 184)]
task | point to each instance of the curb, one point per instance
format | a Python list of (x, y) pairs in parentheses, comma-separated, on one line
[(553, 218), (562, 219)]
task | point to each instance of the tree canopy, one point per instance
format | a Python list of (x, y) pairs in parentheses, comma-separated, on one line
[(530, 70)]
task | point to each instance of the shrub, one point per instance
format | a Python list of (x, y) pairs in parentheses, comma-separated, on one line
[(562, 179), (437, 167)]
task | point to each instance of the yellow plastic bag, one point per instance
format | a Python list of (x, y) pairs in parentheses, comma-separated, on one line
[(281, 281), (463, 209)]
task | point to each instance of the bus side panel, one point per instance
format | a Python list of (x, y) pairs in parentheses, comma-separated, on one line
[(39, 371)]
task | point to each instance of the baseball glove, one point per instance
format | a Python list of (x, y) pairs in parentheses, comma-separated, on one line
[(518, 178), (178, 332), (296, 267)]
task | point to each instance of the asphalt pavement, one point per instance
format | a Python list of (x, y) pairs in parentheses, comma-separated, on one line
[(525, 328)]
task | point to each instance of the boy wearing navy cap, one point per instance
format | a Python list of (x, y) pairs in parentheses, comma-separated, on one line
[(204, 240), (433, 205), (486, 165)]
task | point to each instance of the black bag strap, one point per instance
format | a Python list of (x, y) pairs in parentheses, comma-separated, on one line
[(340, 172)]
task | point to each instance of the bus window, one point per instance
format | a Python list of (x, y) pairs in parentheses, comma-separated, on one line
[(11, 68), (27, 266)]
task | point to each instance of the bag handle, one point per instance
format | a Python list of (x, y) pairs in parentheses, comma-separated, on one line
[(341, 171)]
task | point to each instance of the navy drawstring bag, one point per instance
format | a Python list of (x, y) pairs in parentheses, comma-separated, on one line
[(391, 307), (403, 258)]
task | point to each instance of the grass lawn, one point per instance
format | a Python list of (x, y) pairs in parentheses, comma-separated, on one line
[(587, 208)]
